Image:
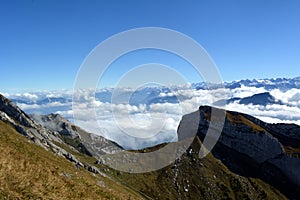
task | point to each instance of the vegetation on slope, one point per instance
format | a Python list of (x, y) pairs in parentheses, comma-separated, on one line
[(193, 178), (28, 171)]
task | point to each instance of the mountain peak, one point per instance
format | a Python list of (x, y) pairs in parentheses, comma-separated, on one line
[(246, 140), (259, 99)]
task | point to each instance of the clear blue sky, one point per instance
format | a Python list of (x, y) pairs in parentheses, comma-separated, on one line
[(43, 42)]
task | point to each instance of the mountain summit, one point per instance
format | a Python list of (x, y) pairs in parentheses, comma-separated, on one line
[(251, 160)]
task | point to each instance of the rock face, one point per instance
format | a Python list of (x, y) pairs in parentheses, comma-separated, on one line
[(251, 147), (83, 141), (25, 125), (53, 131), (57, 123), (249, 161)]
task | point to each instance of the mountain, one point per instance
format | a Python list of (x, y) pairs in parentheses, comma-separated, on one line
[(41, 165), (251, 160), (280, 83), (262, 99), (50, 131), (77, 137), (252, 148), (41, 101), (45, 103), (268, 84)]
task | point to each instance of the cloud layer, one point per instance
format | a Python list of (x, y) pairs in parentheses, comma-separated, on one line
[(138, 125)]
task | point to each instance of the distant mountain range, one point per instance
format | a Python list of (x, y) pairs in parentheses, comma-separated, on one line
[(152, 95), (280, 83), (251, 160)]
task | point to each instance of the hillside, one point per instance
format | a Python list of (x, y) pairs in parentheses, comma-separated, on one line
[(193, 178), (28, 171), (50, 158), (41, 165), (251, 160)]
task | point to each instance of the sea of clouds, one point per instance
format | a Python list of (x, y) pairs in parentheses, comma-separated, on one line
[(140, 125)]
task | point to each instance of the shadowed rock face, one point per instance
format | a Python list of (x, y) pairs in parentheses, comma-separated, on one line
[(251, 147), (239, 166)]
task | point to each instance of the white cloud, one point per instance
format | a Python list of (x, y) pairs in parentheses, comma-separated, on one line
[(282, 113), (169, 94), (245, 91), (276, 120), (47, 105), (291, 97), (30, 96), (140, 120)]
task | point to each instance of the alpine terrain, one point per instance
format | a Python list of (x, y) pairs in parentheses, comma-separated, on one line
[(47, 157)]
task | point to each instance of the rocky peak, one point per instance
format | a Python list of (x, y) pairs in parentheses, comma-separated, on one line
[(247, 144), (57, 123), (77, 137), (260, 99)]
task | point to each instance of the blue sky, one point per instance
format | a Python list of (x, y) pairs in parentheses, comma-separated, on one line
[(43, 43)]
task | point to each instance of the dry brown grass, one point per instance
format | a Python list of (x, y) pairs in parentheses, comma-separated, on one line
[(239, 119), (28, 171), (292, 151)]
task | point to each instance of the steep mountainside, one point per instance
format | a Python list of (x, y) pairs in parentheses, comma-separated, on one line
[(77, 137), (251, 160), (252, 148), (34, 166)]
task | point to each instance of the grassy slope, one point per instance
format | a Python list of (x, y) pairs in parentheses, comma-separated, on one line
[(28, 171), (206, 178)]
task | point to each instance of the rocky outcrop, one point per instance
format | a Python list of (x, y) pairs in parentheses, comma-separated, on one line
[(15, 113), (57, 123), (83, 141), (251, 147), (40, 135), (24, 124)]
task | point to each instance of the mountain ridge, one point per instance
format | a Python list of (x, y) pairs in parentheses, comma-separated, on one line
[(246, 145), (35, 163), (248, 152)]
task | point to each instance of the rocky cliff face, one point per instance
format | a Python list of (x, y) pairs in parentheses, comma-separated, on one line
[(251, 147), (53, 132), (249, 161), (25, 125), (74, 135)]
